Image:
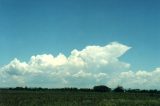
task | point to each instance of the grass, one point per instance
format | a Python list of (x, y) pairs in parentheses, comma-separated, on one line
[(76, 98)]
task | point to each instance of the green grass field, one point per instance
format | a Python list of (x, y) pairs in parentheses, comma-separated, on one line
[(76, 98)]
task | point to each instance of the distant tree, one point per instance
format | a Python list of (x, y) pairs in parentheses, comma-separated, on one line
[(26, 88), (69, 89), (133, 90), (144, 91), (119, 89), (153, 91), (85, 89), (101, 88)]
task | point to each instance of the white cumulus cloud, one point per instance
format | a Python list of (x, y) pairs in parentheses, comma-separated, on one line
[(82, 68)]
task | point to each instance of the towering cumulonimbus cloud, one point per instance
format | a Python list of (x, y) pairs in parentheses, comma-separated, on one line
[(82, 68)]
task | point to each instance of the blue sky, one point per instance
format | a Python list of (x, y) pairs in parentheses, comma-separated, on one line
[(31, 27)]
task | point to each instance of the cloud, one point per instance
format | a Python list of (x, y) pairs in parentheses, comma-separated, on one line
[(82, 68), (140, 79)]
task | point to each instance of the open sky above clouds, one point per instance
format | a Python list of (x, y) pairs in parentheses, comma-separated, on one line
[(80, 43)]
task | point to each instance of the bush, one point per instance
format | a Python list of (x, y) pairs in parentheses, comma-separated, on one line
[(101, 88), (119, 89)]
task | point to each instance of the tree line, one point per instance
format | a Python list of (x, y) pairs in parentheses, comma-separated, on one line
[(99, 88)]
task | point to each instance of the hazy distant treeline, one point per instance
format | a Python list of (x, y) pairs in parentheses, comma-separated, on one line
[(99, 88)]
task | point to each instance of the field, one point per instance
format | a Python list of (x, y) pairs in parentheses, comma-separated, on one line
[(76, 98)]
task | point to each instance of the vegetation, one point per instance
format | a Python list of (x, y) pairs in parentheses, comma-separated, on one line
[(101, 88), (119, 89), (98, 96)]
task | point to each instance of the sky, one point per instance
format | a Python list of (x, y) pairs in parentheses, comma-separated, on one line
[(104, 41)]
